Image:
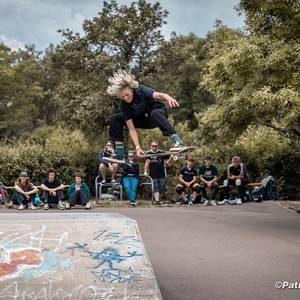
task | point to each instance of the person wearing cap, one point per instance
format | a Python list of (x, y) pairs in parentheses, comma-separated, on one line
[(188, 182), (25, 191), (131, 178), (236, 176), (52, 189), (209, 180), (78, 193), (105, 168)]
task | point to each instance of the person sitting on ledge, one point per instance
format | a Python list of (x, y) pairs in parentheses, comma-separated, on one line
[(188, 183), (52, 189), (25, 192), (78, 193), (236, 176), (106, 168), (209, 180)]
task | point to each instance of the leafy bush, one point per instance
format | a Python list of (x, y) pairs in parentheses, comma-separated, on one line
[(61, 149)]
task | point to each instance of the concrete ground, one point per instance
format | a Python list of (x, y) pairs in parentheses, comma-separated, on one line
[(223, 252), (73, 256)]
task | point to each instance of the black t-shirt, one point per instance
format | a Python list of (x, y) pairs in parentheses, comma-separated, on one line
[(104, 153), (208, 173), (236, 171), (141, 104), (52, 185), (188, 174), (157, 165), (131, 169)]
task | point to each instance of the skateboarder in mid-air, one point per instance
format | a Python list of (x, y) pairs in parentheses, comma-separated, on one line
[(141, 107)]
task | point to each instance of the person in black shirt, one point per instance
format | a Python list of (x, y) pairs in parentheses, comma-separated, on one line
[(209, 176), (52, 189), (141, 107), (188, 181), (131, 178), (155, 167), (236, 176)]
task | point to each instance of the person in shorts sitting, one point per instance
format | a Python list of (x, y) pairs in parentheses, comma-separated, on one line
[(209, 180), (188, 182)]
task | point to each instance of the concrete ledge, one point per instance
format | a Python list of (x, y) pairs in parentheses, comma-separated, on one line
[(73, 256)]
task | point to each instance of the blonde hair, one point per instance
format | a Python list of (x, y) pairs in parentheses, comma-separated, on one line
[(120, 81)]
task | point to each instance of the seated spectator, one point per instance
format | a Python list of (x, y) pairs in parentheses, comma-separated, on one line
[(52, 189), (208, 180), (105, 168), (131, 178), (155, 166), (78, 193), (188, 183), (236, 176), (25, 191)]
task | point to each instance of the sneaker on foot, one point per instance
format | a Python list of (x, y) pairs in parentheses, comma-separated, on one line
[(132, 203), (21, 207), (239, 201), (213, 202), (88, 205), (190, 203), (223, 202), (61, 206), (233, 201), (114, 182), (67, 205), (177, 147), (10, 204), (206, 202), (31, 206), (46, 206)]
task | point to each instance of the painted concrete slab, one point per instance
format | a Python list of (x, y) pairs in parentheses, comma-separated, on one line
[(73, 256)]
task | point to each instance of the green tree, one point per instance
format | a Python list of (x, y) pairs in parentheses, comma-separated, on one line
[(20, 91), (279, 19), (120, 36), (256, 82), (179, 66)]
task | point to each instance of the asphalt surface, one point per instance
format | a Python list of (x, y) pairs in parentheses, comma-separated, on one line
[(223, 252)]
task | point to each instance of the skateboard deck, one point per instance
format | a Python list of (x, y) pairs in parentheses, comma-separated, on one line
[(182, 153)]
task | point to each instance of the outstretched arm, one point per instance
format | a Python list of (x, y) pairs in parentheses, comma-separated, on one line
[(134, 137), (166, 98)]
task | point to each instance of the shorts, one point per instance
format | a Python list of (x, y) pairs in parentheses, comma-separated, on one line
[(159, 185)]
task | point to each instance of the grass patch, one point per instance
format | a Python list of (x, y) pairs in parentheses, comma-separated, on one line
[(295, 205), (118, 203)]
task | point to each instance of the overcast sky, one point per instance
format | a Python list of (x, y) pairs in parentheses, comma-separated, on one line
[(37, 21)]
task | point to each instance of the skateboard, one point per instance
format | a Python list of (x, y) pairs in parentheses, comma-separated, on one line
[(181, 154)]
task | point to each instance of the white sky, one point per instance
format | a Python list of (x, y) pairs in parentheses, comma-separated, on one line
[(37, 21)]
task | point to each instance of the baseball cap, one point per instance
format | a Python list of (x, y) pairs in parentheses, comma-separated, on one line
[(23, 174)]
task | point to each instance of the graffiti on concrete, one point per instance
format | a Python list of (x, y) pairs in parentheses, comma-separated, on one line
[(106, 268), (27, 255), (116, 238), (48, 290)]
